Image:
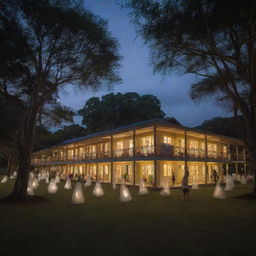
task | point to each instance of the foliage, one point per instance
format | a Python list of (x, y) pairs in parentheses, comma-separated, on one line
[(224, 125), (216, 41), (114, 110), (46, 138), (46, 45)]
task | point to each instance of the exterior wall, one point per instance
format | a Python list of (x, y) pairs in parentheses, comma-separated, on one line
[(155, 156)]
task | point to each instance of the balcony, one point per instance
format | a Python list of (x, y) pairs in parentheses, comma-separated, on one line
[(162, 150)]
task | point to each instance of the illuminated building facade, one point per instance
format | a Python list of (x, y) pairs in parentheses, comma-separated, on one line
[(153, 150)]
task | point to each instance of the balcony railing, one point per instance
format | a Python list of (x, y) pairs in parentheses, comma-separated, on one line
[(162, 150)]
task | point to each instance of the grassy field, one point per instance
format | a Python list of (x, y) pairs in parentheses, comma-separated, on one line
[(147, 225)]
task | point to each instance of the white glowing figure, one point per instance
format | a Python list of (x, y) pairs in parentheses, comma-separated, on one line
[(35, 183), (57, 179), (47, 180), (13, 176), (195, 183), (166, 189), (238, 178), (114, 185), (98, 191), (219, 192), (243, 180), (52, 187), (143, 190), (234, 177), (229, 183), (31, 175), (30, 189), (5, 178), (78, 195), (68, 184), (39, 177), (125, 195), (88, 182)]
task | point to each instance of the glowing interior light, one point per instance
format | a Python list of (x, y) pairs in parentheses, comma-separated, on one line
[(5, 179), (125, 195), (143, 190), (219, 192), (78, 196), (68, 184), (52, 187)]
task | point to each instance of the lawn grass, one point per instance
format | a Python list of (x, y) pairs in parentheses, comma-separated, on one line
[(147, 225)]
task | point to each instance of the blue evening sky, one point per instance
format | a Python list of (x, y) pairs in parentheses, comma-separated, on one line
[(137, 73)]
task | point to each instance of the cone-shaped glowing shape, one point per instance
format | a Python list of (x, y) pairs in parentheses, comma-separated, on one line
[(229, 183), (39, 177), (47, 180), (88, 182), (114, 185), (243, 180), (5, 178), (57, 179), (30, 189), (166, 189), (238, 179), (78, 195), (143, 190), (13, 176), (52, 187), (125, 195), (98, 191), (219, 192), (31, 175), (234, 177), (195, 183), (68, 184), (35, 183)]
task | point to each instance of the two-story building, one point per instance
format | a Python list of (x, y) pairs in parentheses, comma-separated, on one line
[(152, 150)]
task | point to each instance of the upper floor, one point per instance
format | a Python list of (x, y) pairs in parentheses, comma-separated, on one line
[(155, 139)]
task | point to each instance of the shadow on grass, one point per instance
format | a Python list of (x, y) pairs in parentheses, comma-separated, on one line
[(30, 200), (250, 196)]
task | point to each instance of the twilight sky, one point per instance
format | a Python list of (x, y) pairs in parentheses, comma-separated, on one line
[(137, 73)]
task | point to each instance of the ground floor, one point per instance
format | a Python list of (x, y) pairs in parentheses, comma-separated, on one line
[(153, 172)]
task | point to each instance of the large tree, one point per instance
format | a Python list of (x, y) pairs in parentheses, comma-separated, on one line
[(46, 44), (216, 41), (114, 110)]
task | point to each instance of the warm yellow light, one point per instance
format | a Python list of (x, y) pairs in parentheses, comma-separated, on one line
[(78, 196), (52, 187), (125, 195), (5, 179), (98, 191)]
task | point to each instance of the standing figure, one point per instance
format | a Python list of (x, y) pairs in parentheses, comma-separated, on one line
[(185, 187), (173, 179)]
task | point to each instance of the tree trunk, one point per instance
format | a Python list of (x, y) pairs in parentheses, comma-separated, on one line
[(26, 144)]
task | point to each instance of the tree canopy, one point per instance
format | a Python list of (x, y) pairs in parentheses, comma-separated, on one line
[(216, 41), (223, 125), (114, 110), (46, 45)]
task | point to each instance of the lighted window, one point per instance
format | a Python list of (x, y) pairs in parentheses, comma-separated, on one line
[(167, 170), (167, 140), (147, 141)]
